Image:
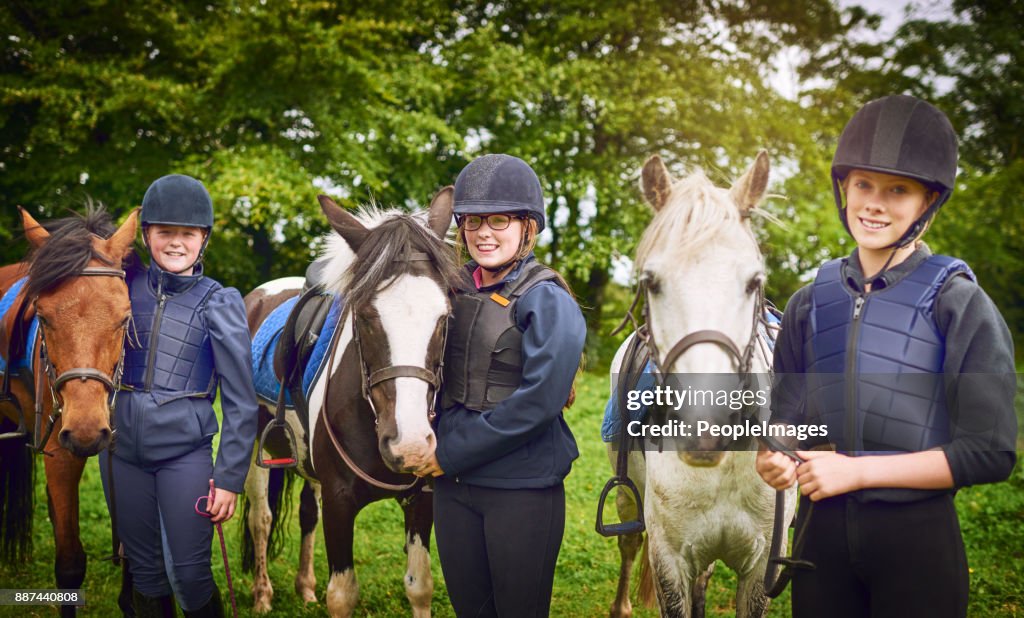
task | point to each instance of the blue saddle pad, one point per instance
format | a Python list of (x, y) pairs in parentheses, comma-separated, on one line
[(7, 305), (613, 421), (265, 342)]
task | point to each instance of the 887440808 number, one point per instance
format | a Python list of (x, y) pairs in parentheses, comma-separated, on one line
[(40, 596)]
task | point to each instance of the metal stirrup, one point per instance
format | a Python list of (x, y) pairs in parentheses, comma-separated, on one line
[(279, 422)]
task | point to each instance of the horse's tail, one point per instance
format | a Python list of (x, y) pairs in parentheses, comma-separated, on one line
[(279, 495), (645, 594), (17, 497)]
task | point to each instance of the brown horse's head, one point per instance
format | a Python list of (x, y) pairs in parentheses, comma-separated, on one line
[(77, 286), (397, 290)]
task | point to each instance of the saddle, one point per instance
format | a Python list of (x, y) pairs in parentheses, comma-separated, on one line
[(16, 332), (299, 336), (295, 346)]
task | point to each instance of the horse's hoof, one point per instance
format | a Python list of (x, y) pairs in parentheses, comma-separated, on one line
[(621, 611), (261, 606)]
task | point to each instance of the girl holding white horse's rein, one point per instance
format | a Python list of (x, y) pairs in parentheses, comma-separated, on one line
[(883, 532), (503, 446)]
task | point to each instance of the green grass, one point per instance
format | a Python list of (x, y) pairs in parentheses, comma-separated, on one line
[(992, 517)]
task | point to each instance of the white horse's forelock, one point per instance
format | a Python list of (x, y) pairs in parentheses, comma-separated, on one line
[(697, 211)]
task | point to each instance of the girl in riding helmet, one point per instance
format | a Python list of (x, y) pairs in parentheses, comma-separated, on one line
[(191, 335), (909, 365), (503, 446)]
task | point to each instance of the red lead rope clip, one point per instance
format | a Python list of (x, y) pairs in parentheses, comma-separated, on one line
[(205, 512)]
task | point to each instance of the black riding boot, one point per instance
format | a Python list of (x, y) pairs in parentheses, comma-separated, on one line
[(152, 607), (213, 608)]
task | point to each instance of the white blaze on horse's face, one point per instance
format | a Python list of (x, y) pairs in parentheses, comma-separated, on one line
[(410, 310)]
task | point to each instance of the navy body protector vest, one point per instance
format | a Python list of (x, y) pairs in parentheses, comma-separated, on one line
[(484, 355), (880, 356), (174, 358)]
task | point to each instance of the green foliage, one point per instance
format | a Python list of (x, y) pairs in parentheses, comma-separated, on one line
[(387, 101), (270, 103)]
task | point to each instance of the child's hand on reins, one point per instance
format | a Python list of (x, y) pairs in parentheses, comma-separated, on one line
[(776, 469), (826, 474)]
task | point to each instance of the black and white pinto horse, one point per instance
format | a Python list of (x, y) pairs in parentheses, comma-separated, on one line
[(373, 402), (703, 275)]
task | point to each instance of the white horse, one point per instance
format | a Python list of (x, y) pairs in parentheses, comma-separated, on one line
[(702, 270)]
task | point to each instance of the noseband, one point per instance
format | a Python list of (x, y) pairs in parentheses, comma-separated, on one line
[(111, 383)]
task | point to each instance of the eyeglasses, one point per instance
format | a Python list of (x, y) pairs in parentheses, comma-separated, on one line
[(496, 222)]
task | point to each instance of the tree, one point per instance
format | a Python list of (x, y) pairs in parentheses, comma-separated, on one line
[(269, 103)]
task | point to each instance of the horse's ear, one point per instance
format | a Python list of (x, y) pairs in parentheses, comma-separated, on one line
[(656, 182), (749, 189), (119, 245), (439, 219), (343, 222), (35, 233)]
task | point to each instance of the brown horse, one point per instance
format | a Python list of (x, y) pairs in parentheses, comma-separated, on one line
[(370, 409), (75, 289)]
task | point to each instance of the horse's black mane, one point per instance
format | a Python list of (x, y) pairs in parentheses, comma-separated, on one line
[(69, 249), (384, 254)]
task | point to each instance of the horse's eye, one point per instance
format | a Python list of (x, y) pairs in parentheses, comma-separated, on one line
[(651, 282), (755, 283)]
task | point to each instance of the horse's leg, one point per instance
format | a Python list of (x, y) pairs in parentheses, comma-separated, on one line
[(751, 600), (309, 516), (419, 583), (63, 473), (700, 591), (259, 522), (629, 544), (671, 582), (340, 508)]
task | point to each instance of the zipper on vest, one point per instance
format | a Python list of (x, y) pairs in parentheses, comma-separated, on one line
[(154, 333), (851, 375)]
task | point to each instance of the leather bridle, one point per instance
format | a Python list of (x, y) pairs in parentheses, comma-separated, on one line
[(111, 383), (370, 379)]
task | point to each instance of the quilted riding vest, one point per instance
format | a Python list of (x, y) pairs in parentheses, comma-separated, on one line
[(174, 355), (880, 355), (483, 361)]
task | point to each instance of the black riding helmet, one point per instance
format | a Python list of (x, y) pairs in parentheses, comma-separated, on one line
[(177, 199), (904, 136), (499, 183)]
